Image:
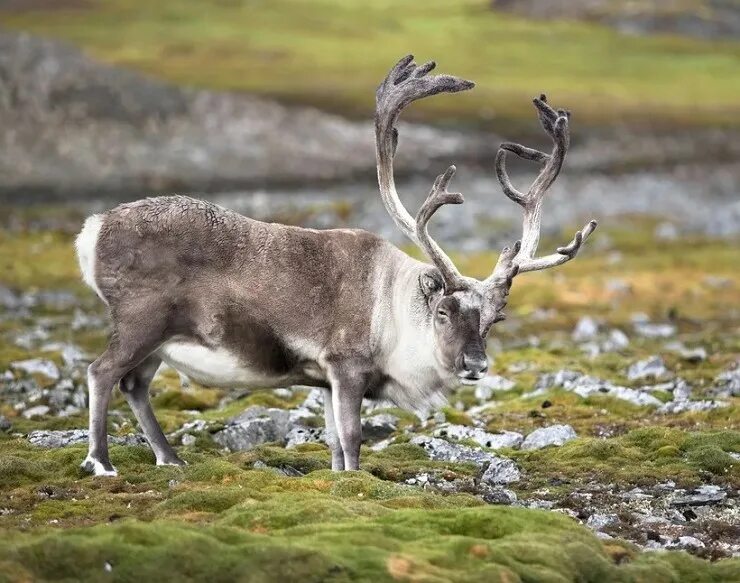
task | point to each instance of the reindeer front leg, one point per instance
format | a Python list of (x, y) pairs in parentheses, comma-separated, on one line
[(348, 386)]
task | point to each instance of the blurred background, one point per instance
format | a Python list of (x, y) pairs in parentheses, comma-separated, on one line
[(630, 351), (267, 106)]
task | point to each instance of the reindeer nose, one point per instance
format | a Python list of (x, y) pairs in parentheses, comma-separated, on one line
[(475, 366)]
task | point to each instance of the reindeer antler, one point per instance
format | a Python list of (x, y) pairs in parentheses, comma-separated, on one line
[(406, 83), (556, 125)]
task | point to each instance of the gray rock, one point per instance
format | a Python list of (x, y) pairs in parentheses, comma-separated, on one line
[(300, 434), (666, 231), (253, 427), (586, 329), (546, 436), (70, 353), (501, 471), (488, 385), (314, 401), (5, 424), (9, 299), (380, 426), (702, 496), (441, 450), (728, 382), (585, 386), (188, 440), (481, 437), (652, 330), (693, 406), (652, 367), (37, 411), (54, 439), (498, 495), (686, 542), (562, 378), (249, 434), (601, 521), (617, 340), (37, 366)]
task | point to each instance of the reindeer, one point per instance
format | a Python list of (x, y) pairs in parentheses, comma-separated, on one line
[(234, 302)]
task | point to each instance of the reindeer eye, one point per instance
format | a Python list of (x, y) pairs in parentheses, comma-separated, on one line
[(442, 314)]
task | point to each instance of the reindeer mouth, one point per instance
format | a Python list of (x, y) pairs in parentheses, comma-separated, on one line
[(470, 380)]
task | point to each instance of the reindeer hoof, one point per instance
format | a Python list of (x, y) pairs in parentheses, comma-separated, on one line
[(98, 468), (176, 461)]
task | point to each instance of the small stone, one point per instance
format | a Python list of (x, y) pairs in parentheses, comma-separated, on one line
[(686, 542), (441, 450), (652, 367), (601, 521), (501, 471), (546, 436), (702, 496), (188, 440), (37, 411), (481, 437), (651, 330), (255, 426), (488, 385), (299, 435), (675, 407), (107, 567), (5, 424), (499, 495), (586, 329), (617, 340), (283, 393), (728, 382), (37, 366), (380, 426), (546, 404), (63, 438)]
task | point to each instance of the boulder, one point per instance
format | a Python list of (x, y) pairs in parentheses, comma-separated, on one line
[(481, 437), (37, 367), (652, 367), (546, 436)]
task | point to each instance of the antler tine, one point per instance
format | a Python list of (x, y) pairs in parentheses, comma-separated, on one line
[(404, 84), (438, 197), (556, 125)]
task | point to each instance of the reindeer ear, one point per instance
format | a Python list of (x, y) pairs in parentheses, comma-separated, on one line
[(431, 283)]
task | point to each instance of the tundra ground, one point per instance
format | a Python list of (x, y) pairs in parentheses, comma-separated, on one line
[(650, 479)]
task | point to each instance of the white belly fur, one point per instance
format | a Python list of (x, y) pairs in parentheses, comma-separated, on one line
[(215, 367)]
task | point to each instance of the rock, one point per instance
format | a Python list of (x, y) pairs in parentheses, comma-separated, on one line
[(488, 385), (562, 378), (83, 321), (546, 436), (70, 353), (188, 440), (501, 471), (481, 437), (253, 427), (652, 367), (300, 434), (702, 496), (728, 382), (693, 406), (681, 390), (37, 411), (37, 366), (441, 450), (380, 426), (63, 438), (499, 496), (584, 386), (651, 330), (601, 521), (686, 542), (314, 401), (617, 340), (283, 393), (9, 299), (586, 329), (5, 424)]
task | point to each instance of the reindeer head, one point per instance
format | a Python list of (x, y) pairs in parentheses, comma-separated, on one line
[(461, 309)]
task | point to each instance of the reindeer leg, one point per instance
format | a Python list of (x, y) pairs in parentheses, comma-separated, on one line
[(129, 345), (135, 387), (330, 432), (348, 385)]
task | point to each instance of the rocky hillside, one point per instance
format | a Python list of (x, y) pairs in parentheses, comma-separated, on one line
[(73, 126), (711, 19)]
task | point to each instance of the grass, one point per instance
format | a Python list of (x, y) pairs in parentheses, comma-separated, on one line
[(333, 53)]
